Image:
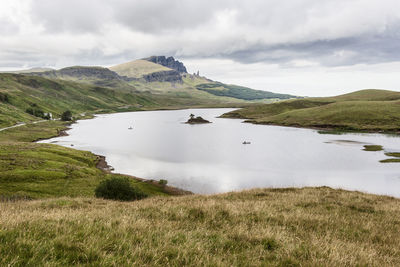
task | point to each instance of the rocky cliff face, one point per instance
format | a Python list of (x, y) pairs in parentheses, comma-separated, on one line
[(163, 76), (169, 62)]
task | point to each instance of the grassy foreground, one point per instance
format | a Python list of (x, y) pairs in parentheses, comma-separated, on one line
[(366, 110), (263, 227)]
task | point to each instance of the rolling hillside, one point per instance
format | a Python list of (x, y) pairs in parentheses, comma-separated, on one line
[(55, 96), (229, 90), (370, 110), (159, 75)]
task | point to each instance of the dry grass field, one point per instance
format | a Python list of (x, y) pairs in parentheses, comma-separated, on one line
[(262, 227)]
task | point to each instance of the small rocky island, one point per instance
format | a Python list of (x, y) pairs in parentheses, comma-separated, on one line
[(196, 120)]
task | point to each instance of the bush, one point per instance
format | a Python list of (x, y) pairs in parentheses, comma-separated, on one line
[(35, 112), (118, 188), (66, 116), (4, 98), (163, 182)]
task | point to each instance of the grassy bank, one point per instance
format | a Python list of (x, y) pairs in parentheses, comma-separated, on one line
[(366, 110), (30, 170), (271, 227)]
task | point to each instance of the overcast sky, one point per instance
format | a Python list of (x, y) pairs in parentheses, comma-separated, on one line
[(302, 47)]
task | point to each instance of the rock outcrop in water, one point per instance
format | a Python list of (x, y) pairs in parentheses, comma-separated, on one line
[(196, 120), (168, 62)]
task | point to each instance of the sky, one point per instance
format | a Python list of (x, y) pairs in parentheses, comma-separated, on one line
[(301, 47)]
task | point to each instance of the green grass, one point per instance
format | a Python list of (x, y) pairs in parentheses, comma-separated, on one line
[(32, 170), (56, 96), (396, 158), (240, 92), (373, 148), (44, 170), (262, 227), (393, 154), (33, 132), (390, 161), (366, 110)]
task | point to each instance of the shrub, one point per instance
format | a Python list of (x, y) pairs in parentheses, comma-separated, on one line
[(4, 98), (35, 112), (66, 116), (163, 182), (118, 188)]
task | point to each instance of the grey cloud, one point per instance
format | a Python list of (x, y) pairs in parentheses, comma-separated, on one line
[(154, 16), (8, 28), (70, 16), (338, 52), (332, 33), (150, 16)]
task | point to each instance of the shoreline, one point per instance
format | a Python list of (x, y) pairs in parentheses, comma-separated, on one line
[(324, 130), (102, 165), (329, 130), (175, 191)]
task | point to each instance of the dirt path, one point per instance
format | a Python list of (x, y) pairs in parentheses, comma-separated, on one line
[(20, 124)]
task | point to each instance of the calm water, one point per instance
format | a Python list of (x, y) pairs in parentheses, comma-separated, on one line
[(211, 158)]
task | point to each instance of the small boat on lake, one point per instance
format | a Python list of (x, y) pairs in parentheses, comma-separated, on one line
[(246, 143), (130, 128)]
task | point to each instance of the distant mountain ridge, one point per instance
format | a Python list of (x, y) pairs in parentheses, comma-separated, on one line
[(158, 75)]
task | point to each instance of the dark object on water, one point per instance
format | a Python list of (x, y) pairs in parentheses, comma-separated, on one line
[(196, 120), (72, 144), (246, 143), (130, 128)]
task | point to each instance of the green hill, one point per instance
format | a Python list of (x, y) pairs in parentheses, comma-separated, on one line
[(369, 110), (55, 96), (240, 92)]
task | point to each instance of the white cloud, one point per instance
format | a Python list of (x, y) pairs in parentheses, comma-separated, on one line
[(274, 44)]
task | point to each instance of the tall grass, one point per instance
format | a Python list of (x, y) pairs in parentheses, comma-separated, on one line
[(263, 227)]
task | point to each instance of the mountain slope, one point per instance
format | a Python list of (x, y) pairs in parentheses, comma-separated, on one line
[(370, 110), (162, 76), (137, 68), (240, 92), (97, 76), (55, 96)]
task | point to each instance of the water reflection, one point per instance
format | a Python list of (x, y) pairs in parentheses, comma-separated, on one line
[(211, 158)]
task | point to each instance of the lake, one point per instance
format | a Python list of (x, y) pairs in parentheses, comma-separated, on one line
[(210, 158)]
